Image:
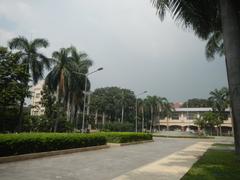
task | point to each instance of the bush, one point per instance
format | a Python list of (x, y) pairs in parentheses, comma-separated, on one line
[(13, 144), (118, 127), (125, 137)]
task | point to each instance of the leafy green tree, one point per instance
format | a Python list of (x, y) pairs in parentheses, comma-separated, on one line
[(48, 101), (13, 86), (111, 102), (33, 60), (197, 103), (206, 17)]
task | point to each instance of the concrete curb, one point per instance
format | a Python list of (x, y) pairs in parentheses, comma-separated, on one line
[(49, 153), (126, 144)]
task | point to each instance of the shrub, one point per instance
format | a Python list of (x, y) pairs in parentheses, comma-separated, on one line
[(125, 137), (13, 144)]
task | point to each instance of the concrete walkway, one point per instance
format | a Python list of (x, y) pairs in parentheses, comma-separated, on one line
[(163, 159), (172, 167)]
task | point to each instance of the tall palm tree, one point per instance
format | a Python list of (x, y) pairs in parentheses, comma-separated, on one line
[(33, 60), (58, 78), (206, 17), (77, 82), (141, 104), (64, 80)]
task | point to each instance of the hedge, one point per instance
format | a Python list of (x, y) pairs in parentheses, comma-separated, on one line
[(125, 137), (13, 144)]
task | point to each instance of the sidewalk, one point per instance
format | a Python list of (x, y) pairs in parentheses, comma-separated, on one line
[(172, 167)]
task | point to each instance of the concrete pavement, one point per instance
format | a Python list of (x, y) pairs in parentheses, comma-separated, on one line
[(116, 162)]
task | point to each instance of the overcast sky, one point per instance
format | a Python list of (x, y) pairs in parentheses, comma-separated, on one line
[(126, 37)]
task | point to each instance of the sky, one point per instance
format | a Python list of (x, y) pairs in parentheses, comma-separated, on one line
[(126, 38)]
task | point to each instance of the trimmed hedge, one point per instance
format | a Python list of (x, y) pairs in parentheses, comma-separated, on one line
[(125, 137), (13, 144)]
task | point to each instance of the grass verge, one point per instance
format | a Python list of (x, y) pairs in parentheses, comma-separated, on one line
[(215, 164)]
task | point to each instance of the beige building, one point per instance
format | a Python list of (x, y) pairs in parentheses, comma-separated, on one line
[(183, 119), (37, 109)]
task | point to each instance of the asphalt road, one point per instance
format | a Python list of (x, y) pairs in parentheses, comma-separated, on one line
[(93, 165)]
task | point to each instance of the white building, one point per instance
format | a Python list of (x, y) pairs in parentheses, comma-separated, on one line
[(183, 118), (37, 109)]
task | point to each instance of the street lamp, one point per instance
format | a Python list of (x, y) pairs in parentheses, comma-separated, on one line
[(136, 120), (85, 92)]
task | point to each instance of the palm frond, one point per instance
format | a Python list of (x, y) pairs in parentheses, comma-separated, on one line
[(19, 43), (39, 43)]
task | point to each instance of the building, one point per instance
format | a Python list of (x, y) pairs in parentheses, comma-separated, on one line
[(183, 118), (37, 109)]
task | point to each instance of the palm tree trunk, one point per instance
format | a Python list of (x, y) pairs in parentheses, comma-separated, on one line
[(96, 117), (68, 108), (231, 36), (122, 114), (20, 116), (142, 119), (151, 127), (103, 118)]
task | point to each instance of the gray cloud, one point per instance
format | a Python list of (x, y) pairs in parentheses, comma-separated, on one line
[(136, 49)]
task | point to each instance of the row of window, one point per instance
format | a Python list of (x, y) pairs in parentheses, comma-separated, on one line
[(191, 115)]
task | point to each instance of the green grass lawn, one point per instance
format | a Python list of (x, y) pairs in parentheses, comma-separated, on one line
[(215, 165)]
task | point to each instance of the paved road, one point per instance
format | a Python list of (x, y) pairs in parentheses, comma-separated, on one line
[(93, 165)]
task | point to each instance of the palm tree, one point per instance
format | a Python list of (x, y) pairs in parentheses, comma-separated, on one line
[(58, 78), (214, 45), (206, 17), (63, 78), (77, 82), (219, 101), (33, 60), (141, 104)]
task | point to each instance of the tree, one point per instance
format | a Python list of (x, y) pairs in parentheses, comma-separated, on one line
[(219, 101), (211, 120), (48, 100), (195, 102), (214, 45), (206, 17), (64, 80), (158, 107), (201, 123), (12, 85), (111, 101), (77, 82), (33, 61)]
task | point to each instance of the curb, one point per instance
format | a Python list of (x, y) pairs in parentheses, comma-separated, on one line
[(49, 153), (126, 144)]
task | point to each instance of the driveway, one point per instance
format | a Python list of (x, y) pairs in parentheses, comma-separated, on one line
[(94, 165)]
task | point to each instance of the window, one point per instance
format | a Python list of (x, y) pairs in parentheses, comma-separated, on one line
[(175, 116), (191, 115), (38, 95)]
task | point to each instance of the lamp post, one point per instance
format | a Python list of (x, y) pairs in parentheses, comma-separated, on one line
[(85, 93), (136, 120)]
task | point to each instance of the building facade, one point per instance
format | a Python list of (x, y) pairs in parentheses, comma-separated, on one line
[(37, 109), (183, 119)]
